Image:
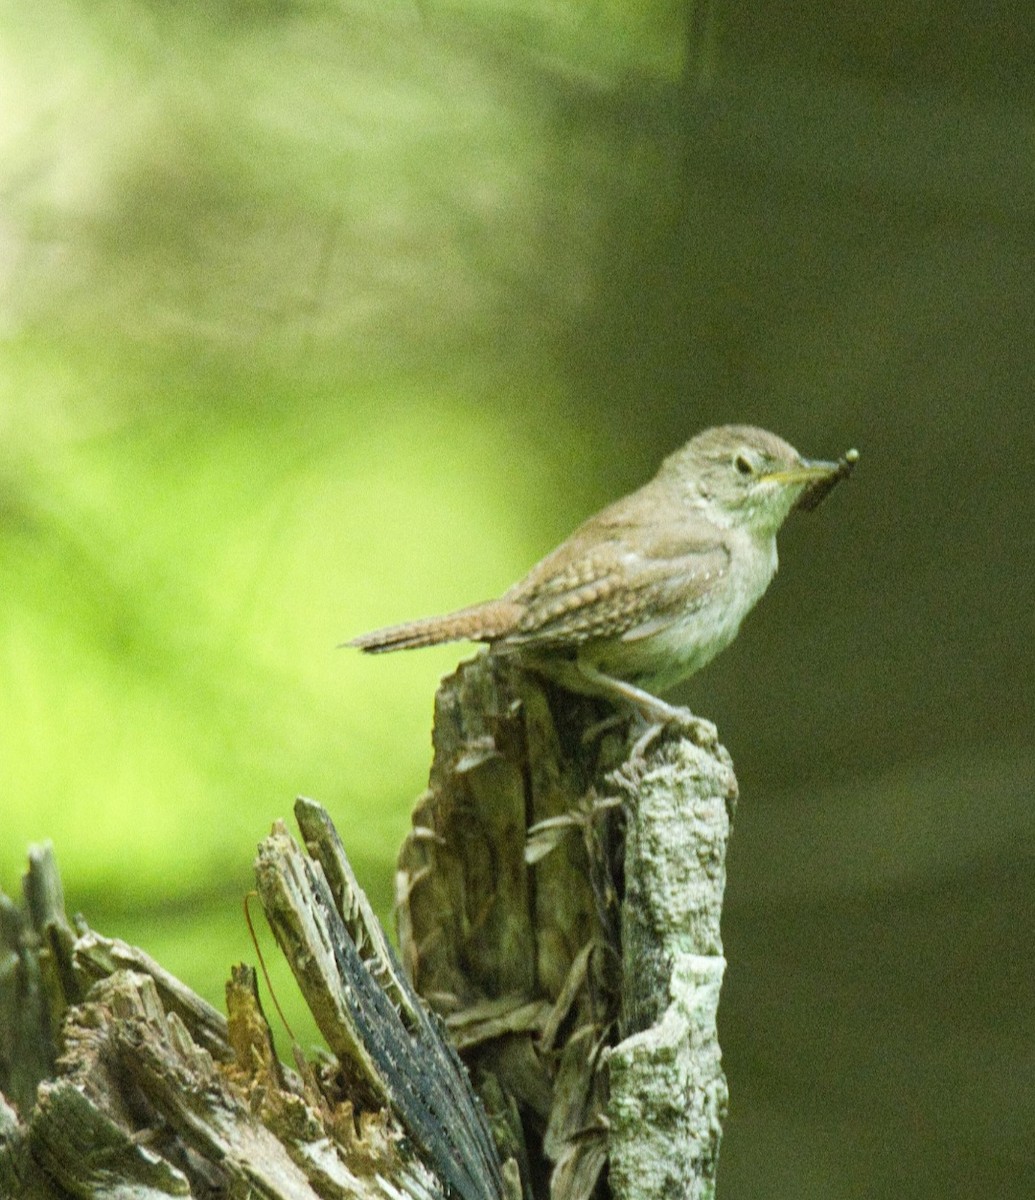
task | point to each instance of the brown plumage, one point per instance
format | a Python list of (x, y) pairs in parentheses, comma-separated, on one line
[(479, 622), (653, 586)]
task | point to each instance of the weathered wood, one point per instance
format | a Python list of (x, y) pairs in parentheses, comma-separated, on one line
[(392, 1052), (668, 1092), (30, 1010), (155, 1094), (558, 902)]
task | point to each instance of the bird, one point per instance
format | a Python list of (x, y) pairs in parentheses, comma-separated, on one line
[(650, 589)]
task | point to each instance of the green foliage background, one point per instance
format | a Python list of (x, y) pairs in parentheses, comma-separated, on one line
[(318, 316)]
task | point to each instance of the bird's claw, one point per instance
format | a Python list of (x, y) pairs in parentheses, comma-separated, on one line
[(698, 730)]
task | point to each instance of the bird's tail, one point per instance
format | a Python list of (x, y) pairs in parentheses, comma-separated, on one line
[(480, 623)]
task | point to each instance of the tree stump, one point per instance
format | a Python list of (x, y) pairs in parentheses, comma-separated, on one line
[(558, 899), (558, 903)]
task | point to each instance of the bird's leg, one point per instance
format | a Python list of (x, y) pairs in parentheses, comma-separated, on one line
[(575, 675), (656, 712)]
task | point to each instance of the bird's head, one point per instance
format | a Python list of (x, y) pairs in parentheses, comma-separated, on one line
[(749, 477)]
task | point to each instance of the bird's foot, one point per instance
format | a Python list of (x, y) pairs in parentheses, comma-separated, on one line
[(657, 714), (681, 720)]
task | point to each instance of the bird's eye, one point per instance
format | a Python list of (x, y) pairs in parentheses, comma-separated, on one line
[(744, 464)]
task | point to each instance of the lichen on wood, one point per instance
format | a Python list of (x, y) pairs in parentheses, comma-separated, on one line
[(668, 1091)]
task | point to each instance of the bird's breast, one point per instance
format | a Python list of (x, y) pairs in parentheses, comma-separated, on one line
[(692, 638)]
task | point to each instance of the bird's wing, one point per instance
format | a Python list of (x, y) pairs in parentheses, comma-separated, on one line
[(617, 578)]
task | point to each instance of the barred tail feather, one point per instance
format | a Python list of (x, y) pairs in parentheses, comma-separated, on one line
[(479, 623)]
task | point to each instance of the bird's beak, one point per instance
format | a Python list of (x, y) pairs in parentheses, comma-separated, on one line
[(816, 477), (809, 470)]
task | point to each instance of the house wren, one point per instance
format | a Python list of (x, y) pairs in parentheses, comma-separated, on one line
[(651, 588)]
